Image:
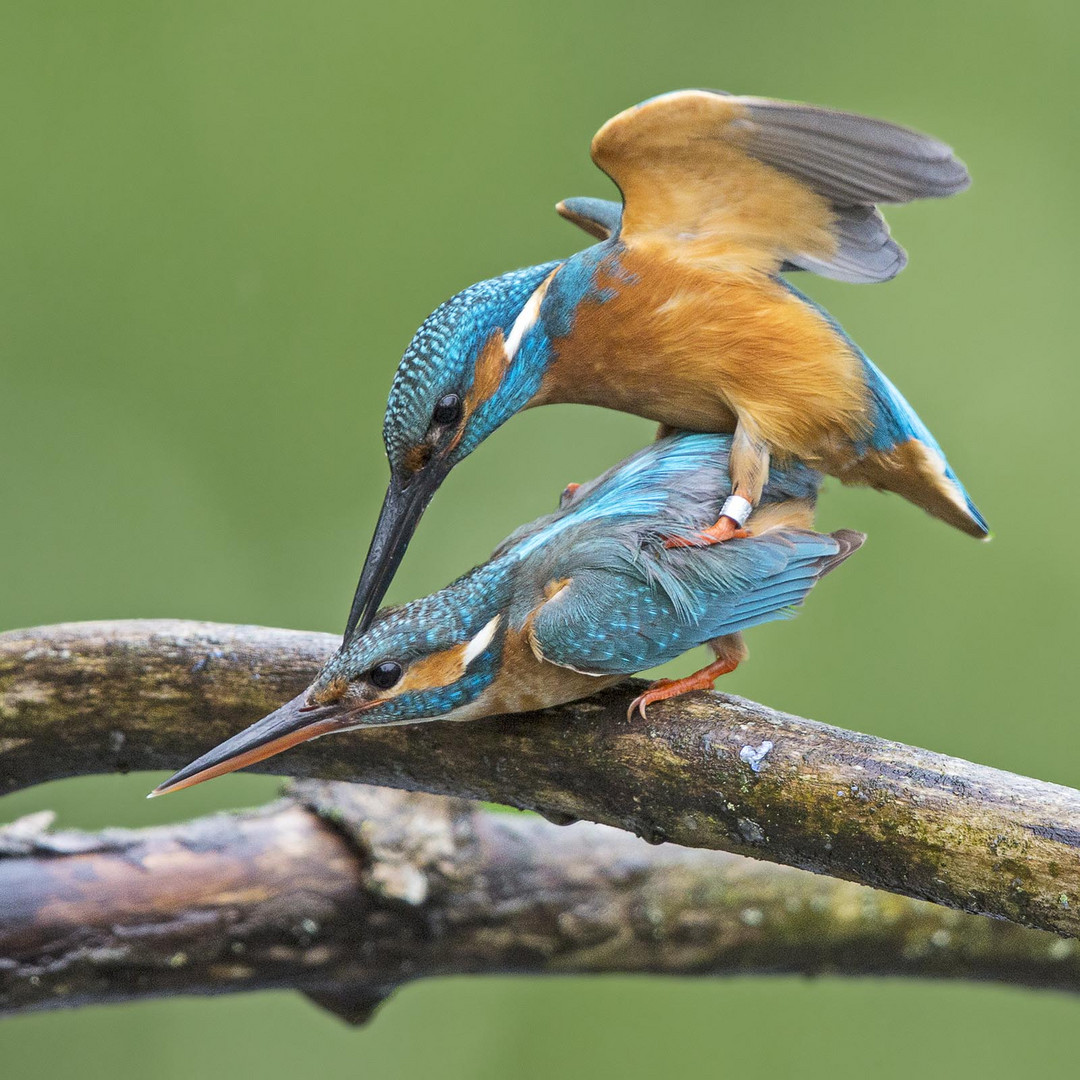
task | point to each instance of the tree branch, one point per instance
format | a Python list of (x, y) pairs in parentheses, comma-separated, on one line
[(707, 771), (345, 893)]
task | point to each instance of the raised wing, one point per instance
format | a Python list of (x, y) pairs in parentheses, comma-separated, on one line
[(622, 613), (754, 183)]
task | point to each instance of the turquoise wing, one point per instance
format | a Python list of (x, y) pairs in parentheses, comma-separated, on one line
[(623, 611)]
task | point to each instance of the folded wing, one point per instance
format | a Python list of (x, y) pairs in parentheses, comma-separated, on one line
[(623, 613)]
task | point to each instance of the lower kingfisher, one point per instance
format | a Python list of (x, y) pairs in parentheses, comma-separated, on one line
[(680, 314), (570, 604)]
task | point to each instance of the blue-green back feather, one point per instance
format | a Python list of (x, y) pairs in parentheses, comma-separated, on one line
[(625, 611), (673, 486)]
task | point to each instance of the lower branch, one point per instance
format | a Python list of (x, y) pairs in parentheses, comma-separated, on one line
[(708, 770), (346, 893)]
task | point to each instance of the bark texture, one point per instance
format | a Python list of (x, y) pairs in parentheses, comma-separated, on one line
[(345, 893), (707, 771)]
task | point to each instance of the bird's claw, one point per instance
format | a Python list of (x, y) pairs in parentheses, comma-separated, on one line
[(725, 529), (663, 689), (643, 701)]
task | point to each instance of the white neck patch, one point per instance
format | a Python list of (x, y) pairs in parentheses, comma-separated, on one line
[(527, 319), (482, 640)]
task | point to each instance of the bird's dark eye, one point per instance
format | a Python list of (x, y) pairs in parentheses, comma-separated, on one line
[(447, 411), (384, 675)]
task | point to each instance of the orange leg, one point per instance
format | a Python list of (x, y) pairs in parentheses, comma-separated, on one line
[(725, 529), (663, 689)]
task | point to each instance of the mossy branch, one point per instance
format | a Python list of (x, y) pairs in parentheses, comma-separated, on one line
[(707, 771), (345, 893)]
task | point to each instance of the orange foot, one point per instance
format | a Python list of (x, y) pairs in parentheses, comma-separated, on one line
[(725, 529), (568, 493), (663, 689)]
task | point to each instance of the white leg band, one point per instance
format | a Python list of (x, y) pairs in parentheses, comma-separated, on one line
[(736, 508)]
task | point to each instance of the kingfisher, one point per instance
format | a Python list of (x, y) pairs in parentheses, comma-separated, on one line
[(680, 314), (570, 604)]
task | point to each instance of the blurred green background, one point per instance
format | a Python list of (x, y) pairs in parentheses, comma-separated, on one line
[(221, 222)]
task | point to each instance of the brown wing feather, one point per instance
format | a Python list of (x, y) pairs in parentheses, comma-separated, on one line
[(751, 183)]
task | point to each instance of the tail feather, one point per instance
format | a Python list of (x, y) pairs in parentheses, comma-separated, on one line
[(898, 452), (848, 542), (901, 455), (795, 560)]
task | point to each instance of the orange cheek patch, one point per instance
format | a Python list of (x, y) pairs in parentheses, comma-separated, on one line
[(438, 669), (490, 369)]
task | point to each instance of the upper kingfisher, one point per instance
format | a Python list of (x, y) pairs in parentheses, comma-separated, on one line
[(679, 314), (570, 604)]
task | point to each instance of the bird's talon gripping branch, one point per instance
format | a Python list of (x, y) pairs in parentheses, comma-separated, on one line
[(663, 689), (642, 701)]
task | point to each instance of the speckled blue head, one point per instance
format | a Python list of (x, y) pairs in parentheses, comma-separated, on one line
[(475, 361), (421, 661), (442, 652), (443, 360)]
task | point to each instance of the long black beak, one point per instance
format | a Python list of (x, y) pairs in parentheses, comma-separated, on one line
[(293, 723), (401, 511)]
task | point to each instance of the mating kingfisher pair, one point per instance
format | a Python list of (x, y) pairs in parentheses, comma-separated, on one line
[(678, 314)]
